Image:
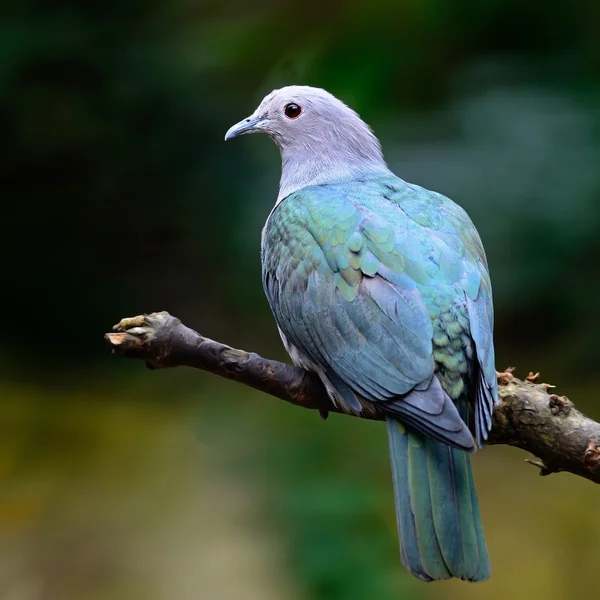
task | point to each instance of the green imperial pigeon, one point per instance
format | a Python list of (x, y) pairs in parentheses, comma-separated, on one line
[(382, 288)]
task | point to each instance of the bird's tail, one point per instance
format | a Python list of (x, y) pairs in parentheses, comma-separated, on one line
[(436, 506)]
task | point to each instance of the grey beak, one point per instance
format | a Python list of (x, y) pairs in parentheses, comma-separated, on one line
[(248, 125)]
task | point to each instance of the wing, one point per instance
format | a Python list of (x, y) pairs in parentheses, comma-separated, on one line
[(463, 253), (344, 281), (341, 304), (481, 320)]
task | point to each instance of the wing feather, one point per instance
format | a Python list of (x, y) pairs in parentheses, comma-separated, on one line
[(357, 286)]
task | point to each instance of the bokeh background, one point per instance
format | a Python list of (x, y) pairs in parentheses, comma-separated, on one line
[(120, 197)]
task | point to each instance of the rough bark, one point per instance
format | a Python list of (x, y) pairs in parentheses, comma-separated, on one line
[(528, 416)]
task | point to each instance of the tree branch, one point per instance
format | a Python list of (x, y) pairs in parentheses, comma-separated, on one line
[(527, 416)]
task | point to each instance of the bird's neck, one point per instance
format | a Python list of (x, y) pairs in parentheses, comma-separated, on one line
[(300, 169)]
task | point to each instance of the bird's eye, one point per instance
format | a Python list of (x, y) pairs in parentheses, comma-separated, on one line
[(292, 111)]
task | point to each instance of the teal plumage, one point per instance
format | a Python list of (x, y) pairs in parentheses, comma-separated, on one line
[(382, 288), (379, 284)]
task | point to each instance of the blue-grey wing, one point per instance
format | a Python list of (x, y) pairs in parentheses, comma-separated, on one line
[(343, 287)]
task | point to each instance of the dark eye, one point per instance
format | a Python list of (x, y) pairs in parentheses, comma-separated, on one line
[(292, 111)]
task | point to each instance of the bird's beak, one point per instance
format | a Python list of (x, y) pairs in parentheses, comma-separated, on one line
[(249, 125)]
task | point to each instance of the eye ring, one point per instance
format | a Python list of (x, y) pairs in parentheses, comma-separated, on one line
[(292, 110)]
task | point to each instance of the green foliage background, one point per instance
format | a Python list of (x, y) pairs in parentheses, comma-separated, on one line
[(119, 197)]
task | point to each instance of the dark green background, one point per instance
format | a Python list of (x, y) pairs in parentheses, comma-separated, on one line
[(120, 197)]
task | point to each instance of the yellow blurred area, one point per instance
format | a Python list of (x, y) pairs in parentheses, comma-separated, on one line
[(113, 498)]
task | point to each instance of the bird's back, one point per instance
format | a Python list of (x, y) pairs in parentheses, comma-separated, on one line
[(353, 229)]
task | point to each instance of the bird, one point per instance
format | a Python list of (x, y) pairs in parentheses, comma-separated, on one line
[(382, 288)]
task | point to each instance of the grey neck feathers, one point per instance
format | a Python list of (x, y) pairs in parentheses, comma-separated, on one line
[(318, 157)]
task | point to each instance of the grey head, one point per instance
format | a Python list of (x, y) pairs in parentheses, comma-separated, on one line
[(320, 138)]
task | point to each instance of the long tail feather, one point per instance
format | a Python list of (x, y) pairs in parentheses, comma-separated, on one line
[(440, 529)]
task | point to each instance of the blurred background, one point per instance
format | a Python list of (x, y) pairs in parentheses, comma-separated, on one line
[(119, 197)]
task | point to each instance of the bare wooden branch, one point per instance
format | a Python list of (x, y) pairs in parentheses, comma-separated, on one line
[(527, 416)]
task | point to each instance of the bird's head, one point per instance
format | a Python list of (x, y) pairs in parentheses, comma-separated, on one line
[(320, 138)]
